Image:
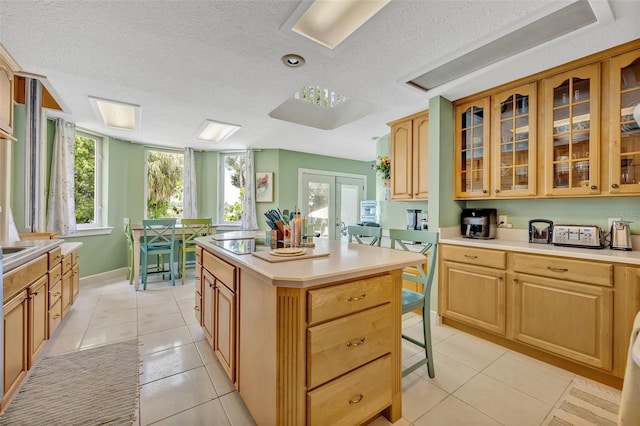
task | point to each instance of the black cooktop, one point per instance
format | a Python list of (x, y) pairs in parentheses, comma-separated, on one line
[(244, 246)]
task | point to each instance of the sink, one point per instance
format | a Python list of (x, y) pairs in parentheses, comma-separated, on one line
[(8, 251)]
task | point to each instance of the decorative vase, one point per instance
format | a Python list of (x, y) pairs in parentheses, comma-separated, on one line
[(386, 189)]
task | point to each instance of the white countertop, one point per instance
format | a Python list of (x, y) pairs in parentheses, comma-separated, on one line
[(345, 261), (34, 248), (517, 240)]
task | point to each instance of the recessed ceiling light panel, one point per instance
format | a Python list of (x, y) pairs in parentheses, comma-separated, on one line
[(330, 22), (216, 131), (293, 60), (116, 114)]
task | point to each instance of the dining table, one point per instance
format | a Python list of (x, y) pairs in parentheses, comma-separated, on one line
[(137, 231)]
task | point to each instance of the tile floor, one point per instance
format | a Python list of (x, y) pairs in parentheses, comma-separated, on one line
[(182, 383)]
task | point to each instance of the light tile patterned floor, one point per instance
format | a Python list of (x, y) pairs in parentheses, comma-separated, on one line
[(182, 383)]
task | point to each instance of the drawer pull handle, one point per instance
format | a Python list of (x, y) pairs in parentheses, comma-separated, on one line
[(197, 308), (356, 399), (358, 343), (56, 294), (468, 256), (56, 316), (354, 299), (551, 268)]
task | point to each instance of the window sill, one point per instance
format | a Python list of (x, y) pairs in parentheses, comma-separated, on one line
[(86, 232)]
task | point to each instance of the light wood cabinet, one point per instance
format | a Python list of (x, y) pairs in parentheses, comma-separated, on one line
[(409, 149), (208, 284), (571, 319), (38, 311), (15, 343), (198, 296), (624, 131), (513, 142), (75, 272), (66, 297), (224, 340), (6, 93), (472, 126), (474, 295), (572, 132)]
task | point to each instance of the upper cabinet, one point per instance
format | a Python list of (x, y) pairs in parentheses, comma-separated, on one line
[(571, 132), (513, 141), (472, 149), (7, 68), (624, 132), (409, 157)]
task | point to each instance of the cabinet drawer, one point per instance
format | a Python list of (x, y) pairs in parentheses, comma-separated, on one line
[(475, 256), (55, 256), (55, 274), (354, 397), (344, 344), (199, 255), (344, 299), (565, 269), (220, 269), (54, 293), (55, 317), (66, 264), (20, 278), (75, 257)]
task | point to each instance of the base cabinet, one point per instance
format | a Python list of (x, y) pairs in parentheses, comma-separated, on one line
[(224, 341), (208, 283), (38, 318), (567, 318), (15, 342)]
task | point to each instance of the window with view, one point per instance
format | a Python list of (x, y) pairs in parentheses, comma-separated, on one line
[(87, 180), (233, 184), (165, 172)]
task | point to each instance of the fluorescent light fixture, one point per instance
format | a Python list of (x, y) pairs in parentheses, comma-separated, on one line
[(329, 22), (115, 114), (216, 131)]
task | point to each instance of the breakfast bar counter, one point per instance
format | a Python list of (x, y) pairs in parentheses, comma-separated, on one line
[(307, 340)]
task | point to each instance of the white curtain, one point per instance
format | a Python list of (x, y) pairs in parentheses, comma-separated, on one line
[(61, 214), (249, 220), (190, 193)]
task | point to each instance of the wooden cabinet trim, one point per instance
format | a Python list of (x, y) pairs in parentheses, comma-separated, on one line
[(20, 278)]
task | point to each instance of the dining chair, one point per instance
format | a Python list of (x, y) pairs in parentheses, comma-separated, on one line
[(411, 300), (191, 229), (158, 238), (128, 235), (357, 232)]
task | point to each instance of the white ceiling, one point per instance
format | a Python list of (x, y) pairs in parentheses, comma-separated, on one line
[(187, 61)]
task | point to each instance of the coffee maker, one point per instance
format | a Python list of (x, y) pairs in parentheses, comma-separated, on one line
[(478, 223), (412, 219)]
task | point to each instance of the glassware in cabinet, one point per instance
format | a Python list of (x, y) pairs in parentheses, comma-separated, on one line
[(624, 130), (472, 149), (513, 143), (571, 106)]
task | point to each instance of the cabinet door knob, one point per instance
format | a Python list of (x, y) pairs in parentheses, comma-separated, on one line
[(615, 186), (484, 191), (594, 187), (497, 190)]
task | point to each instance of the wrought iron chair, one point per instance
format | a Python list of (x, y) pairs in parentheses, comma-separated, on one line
[(191, 229), (357, 232), (412, 300), (158, 238)]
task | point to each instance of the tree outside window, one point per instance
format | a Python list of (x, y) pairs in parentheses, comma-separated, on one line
[(234, 185), (165, 172), (86, 175)]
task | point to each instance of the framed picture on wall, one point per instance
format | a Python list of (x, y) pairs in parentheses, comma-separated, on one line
[(264, 187)]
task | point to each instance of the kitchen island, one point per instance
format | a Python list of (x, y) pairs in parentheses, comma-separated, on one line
[(311, 340)]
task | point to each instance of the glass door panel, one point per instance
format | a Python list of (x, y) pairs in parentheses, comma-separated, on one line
[(472, 142)]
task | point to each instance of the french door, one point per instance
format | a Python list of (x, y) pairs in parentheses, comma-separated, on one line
[(330, 202)]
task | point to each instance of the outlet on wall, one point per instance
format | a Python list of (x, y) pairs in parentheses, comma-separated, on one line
[(503, 219)]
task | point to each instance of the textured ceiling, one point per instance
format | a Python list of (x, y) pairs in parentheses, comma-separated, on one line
[(187, 61)]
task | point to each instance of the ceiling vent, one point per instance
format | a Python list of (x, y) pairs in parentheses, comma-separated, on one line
[(556, 24)]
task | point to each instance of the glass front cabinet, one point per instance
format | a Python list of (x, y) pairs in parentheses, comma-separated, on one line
[(572, 117), (513, 143), (624, 132), (472, 149)]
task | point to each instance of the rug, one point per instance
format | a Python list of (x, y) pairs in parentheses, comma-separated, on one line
[(97, 386), (586, 403)]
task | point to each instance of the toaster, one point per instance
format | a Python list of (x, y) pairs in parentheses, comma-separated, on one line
[(587, 236)]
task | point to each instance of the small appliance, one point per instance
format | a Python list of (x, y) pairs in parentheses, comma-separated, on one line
[(587, 236), (478, 223), (540, 231), (620, 235), (412, 219)]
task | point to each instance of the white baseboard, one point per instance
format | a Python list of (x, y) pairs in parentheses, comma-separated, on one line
[(115, 274)]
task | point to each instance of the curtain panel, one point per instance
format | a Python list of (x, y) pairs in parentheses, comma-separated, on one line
[(61, 216), (190, 192), (249, 220)]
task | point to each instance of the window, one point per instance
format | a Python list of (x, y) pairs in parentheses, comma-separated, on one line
[(165, 172), (88, 178), (232, 187)]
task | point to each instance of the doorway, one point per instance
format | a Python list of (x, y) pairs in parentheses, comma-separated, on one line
[(330, 201)]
